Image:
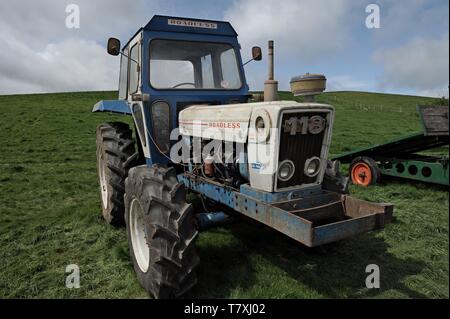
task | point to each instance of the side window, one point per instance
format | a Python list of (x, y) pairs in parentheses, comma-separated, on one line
[(134, 70), (123, 78)]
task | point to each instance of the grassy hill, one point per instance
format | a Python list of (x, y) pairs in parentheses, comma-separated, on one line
[(50, 215)]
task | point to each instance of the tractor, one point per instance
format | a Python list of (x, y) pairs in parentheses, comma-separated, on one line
[(183, 82)]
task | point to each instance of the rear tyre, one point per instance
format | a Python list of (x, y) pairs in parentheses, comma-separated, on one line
[(115, 156), (161, 232), (364, 171)]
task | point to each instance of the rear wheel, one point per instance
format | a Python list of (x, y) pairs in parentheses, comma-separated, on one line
[(364, 171), (115, 156), (161, 232)]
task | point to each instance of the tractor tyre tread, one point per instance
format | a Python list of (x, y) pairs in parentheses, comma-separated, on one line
[(170, 229), (115, 147)]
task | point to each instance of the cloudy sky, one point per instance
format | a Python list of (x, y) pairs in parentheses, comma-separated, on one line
[(408, 54)]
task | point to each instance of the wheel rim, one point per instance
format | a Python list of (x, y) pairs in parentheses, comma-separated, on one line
[(361, 174), (138, 238), (103, 183)]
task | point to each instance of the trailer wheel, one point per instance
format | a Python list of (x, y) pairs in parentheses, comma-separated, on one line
[(115, 155), (364, 171), (161, 232)]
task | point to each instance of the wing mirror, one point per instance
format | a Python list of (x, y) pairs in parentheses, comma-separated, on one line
[(113, 46), (256, 53)]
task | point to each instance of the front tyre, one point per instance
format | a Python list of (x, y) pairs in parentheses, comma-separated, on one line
[(161, 232)]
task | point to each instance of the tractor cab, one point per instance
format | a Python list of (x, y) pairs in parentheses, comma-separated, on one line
[(170, 64)]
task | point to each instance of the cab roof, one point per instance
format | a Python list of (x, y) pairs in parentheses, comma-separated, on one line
[(186, 25)]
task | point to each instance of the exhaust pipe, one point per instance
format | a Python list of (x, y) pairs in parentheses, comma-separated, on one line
[(270, 86), (204, 221)]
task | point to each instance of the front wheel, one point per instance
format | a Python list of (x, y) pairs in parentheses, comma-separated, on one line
[(161, 232)]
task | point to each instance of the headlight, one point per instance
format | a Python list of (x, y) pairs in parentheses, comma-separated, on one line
[(312, 167), (262, 125), (259, 124), (286, 170)]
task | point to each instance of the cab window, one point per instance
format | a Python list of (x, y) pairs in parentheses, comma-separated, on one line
[(123, 77), (133, 81)]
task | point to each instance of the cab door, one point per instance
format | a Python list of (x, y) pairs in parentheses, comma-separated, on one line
[(135, 94)]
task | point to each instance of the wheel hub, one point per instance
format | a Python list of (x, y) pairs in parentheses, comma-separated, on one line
[(361, 174), (103, 183), (138, 236)]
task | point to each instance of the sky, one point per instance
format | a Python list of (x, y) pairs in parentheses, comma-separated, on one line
[(407, 54)]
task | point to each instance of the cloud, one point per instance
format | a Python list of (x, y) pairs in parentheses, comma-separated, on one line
[(345, 83), (70, 65), (40, 54), (300, 28), (420, 65), (319, 36), (40, 22), (305, 33), (403, 20)]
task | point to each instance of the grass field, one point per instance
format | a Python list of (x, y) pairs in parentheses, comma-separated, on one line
[(50, 216)]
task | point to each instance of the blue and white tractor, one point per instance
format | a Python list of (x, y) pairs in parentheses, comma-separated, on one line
[(197, 130)]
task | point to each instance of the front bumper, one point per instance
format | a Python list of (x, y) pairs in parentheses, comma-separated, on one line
[(313, 220)]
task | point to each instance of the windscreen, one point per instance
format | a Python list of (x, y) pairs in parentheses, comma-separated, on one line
[(193, 65)]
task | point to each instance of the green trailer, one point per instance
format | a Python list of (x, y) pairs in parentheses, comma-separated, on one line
[(407, 157)]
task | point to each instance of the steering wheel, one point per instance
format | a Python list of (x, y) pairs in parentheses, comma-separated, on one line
[(184, 83)]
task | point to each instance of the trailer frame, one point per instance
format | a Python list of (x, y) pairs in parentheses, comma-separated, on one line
[(399, 157)]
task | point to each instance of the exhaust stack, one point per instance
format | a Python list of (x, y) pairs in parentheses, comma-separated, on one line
[(270, 86)]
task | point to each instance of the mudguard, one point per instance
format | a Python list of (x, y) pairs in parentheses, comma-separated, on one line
[(116, 106)]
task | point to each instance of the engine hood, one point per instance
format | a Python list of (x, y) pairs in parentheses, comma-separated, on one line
[(231, 122)]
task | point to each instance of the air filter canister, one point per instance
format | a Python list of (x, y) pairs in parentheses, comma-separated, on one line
[(308, 84)]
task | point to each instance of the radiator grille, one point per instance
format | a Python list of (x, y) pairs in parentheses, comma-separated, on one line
[(298, 148)]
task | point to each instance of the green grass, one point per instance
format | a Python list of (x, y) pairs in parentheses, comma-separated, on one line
[(50, 216)]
